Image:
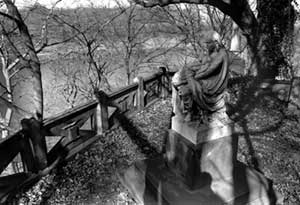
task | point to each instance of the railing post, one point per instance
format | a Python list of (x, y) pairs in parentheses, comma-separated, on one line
[(101, 116), (27, 154), (164, 83), (140, 94), (33, 129)]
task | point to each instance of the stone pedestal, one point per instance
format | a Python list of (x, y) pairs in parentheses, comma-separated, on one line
[(198, 133), (152, 182), (199, 166), (189, 161), (193, 148)]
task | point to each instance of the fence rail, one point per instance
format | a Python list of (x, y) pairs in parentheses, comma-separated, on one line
[(74, 130), (79, 127)]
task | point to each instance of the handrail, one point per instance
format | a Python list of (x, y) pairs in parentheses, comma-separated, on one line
[(68, 124), (31, 140), (124, 91), (70, 113), (57, 119)]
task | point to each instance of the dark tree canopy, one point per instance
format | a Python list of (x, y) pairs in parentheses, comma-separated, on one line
[(276, 20), (268, 34)]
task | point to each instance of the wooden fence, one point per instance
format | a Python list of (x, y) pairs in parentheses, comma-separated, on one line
[(79, 127), (75, 129)]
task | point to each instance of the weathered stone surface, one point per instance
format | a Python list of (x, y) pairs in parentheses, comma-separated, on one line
[(189, 160), (197, 133), (217, 157), (203, 173), (162, 186), (182, 158), (199, 164), (152, 182), (245, 186)]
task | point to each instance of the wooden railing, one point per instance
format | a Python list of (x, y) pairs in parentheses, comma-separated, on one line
[(72, 131), (79, 127)]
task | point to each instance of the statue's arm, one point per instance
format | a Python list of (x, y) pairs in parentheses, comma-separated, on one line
[(215, 63)]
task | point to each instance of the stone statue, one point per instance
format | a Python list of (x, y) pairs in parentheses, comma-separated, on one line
[(199, 89)]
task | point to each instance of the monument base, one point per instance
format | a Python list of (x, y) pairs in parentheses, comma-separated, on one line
[(152, 182), (188, 160), (198, 166)]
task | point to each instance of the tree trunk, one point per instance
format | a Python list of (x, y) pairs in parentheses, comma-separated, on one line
[(276, 22), (266, 34), (8, 112), (127, 67), (242, 15), (27, 92), (253, 30)]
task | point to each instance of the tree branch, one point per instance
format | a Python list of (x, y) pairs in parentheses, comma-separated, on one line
[(238, 10), (8, 16)]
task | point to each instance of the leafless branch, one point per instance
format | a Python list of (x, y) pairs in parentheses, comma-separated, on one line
[(8, 16)]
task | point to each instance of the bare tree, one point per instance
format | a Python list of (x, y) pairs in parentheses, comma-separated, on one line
[(19, 58), (193, 21), (257, 29), (85, 26), (22, 94), (189, 23), (133, 39)]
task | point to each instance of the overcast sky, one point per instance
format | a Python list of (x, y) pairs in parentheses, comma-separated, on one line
[(77, 3), (69, 3)]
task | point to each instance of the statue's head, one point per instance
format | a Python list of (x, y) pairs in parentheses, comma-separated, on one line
[(184, 92), (179, 78), (213, 42)]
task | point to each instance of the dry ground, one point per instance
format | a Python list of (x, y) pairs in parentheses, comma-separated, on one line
[(269, 141)]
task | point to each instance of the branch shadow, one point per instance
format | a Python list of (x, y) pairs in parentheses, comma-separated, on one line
[(146, 180), (152, 182), (250, 98), (247, 102)]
